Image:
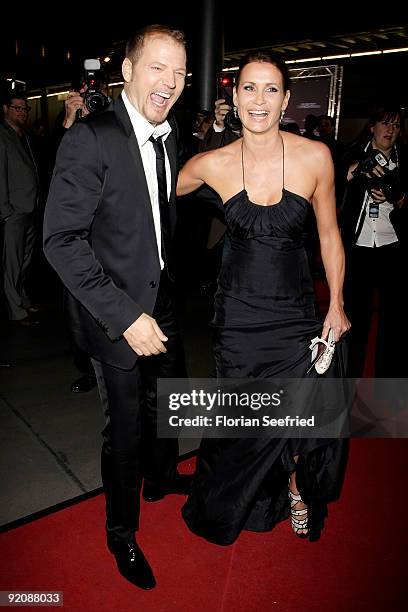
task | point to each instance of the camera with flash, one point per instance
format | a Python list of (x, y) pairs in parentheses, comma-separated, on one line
[(94, 99)]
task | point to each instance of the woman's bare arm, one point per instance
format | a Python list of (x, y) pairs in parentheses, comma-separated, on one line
[(192, 175), (331, 246)]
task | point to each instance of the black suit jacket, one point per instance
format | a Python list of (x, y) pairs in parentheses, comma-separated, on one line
[(99, 232), (18, 174)]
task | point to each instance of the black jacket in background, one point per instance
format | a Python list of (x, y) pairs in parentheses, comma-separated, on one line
[(19, 183)]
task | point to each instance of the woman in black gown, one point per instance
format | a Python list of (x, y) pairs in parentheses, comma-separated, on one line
[(264, 310)]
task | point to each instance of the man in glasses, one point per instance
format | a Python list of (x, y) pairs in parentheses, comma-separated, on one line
[(18, 201)]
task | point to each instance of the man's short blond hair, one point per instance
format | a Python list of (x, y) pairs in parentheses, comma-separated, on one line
[(135, 44)]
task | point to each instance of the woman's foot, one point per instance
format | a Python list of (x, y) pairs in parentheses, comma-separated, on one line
[(298, 514)]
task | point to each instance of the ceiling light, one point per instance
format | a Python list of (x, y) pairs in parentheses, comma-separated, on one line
[(395, 50), (365, 53), (329, 57)]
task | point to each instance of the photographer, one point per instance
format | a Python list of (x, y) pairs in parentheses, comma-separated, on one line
[(73, 104), (90, 96), (373, 219), (221, 133)]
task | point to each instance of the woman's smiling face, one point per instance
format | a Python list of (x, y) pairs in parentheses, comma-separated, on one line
[(260, 96)]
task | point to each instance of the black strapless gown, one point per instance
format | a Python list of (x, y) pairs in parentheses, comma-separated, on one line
[(264, 321)]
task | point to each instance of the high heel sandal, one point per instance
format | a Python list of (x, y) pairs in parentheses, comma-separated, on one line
[(322, 361), (298, 524)]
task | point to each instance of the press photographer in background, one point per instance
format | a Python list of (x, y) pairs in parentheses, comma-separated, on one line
[(373, 220), (91, 96), (205, 223), (224, 130)]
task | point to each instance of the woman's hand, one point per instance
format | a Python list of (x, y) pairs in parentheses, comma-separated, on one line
[(337, 321)]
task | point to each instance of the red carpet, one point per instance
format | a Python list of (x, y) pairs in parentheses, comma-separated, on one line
[(358, 565)]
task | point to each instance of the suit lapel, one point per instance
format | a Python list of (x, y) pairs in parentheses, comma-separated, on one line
[(31, 156), (171, 153), (171, 149), (27, 155), (143, 195), (140, 177)]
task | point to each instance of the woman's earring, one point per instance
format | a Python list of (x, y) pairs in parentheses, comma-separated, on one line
[(282, 115), (235, 111)]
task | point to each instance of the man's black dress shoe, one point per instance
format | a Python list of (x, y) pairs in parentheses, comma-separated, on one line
[(133, 565), (180, 485), (83, 384)]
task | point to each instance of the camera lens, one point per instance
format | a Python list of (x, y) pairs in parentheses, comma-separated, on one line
[(232, 122), (96, 101)]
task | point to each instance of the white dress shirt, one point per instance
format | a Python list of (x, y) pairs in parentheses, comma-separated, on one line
[(216, 128), (143, 131)]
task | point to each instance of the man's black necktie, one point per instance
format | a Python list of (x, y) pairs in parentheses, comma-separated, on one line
[(167, 251)]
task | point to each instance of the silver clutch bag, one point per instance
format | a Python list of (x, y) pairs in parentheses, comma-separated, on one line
[(324, 358)]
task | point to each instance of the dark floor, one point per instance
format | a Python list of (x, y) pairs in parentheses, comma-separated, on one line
[(50, 437)]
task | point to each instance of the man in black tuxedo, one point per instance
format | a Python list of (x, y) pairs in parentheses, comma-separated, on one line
[(109, 220)]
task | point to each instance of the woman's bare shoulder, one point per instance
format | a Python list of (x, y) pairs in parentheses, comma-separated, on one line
[(307, 148), (224, 154), (216, 158)]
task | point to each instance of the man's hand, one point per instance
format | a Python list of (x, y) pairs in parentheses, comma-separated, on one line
[(221, 109), (378, 195), (145, 337), (376, 171), (73, 103)]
